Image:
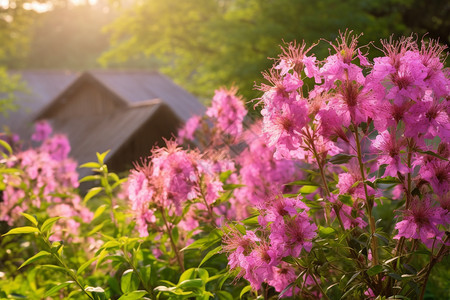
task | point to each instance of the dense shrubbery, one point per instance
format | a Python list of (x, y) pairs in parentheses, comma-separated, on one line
[(341, 190)]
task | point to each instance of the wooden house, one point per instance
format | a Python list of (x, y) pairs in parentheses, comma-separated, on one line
[(126, 112)]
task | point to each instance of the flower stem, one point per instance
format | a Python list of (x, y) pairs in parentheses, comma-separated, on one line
[(369, 202), (63, 264), (172, 242), (147, 287), (433, 260)]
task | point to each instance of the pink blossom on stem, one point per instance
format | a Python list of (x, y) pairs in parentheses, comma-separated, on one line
[(389, 148), (421, 221)]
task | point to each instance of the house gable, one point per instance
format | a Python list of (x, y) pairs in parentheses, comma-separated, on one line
[(85, 97)]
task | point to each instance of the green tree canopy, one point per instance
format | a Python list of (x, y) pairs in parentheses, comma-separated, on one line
[(204, 44)]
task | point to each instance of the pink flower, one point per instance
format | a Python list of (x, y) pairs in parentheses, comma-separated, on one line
[(421, 221), (428, 118), (437, 173), (346, 213), (42, 131), (283, 127), (228, 110), (283, 275), (293, 235), (58, 147), (389, 153), (351, 182), (188, 130)]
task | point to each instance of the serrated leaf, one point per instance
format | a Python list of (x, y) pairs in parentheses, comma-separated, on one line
[(31, 218), (210, 254), (56, 288), (91, 193), (246, 289), (35, 257), (22, 230), (48, 224), (133, 295), (129, 281)]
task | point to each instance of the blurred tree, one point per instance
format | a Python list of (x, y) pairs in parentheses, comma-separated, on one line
[(69, 37), (15, 24), (207, 43)]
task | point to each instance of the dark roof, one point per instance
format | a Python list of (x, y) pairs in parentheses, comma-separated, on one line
[(142, 93), (42, 87), (136, 86)]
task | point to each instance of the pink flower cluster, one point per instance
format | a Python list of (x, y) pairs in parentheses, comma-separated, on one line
[(47, 180), (226, 114), (285, 229), (168, 181)]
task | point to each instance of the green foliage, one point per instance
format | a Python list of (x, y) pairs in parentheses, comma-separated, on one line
[(208, 43)]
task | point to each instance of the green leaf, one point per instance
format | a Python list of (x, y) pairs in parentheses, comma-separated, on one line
[(110, 244), (227, 187), (308, 189), (86, 264), (56, 268), (433, 154), (188, 274), (129, 281), (246, 289), (99, 211), (95, 229), (251, 221), (325, 231), (346, 199), (31, 218), (302, 182), (133, 295), (6, 146), (48, 224), (191, 283), (340, 159), (35, 257), (210, 254), (101, 156), (91, 193), (22, 230), (90, 178), (350, 290), (224, 295), (56, 288), (91, 165)]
